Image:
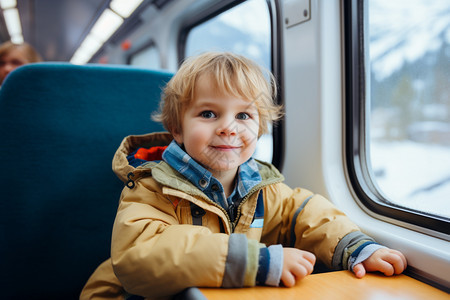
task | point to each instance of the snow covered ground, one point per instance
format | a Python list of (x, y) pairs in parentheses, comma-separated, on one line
[(414, 175), (411, 174)]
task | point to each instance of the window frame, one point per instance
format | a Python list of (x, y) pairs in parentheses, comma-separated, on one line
[(356, 155), (278, 141)]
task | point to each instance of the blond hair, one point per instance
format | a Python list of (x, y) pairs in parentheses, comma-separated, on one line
[(232, 74), (31, 54)]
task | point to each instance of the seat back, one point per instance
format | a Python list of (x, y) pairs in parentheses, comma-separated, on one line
[(60, 125)]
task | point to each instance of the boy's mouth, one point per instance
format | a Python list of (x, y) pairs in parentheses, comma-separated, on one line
[(225, 147)]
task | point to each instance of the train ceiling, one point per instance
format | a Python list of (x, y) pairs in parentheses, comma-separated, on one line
[(56, 28)]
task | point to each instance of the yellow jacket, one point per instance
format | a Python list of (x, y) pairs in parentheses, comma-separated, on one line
[(157, 251)]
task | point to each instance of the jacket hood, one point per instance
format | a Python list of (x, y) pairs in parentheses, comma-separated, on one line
[(130, 144)]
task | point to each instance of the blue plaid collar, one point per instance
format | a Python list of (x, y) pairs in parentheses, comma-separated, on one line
[(248, 176)]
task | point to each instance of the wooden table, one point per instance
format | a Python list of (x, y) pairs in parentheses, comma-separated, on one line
[(337, 285)]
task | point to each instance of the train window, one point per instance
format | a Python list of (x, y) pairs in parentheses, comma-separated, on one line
[(243, 29), (146, 57), (399, 108), (409, 133)]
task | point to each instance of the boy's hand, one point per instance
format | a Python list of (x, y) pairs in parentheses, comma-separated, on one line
[(297, 264), (385, 260)]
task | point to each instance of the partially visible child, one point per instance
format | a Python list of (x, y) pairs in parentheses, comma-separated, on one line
[(198, 210), (13, 56)]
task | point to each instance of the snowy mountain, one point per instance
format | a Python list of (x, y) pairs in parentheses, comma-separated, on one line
[(405, 31)]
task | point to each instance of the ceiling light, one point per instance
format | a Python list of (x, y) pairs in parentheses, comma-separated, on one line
[(80, 58), (5, 4), (87, 49), (12, 21), (125, 7), (90, 45), (106, 25), (17, 39)]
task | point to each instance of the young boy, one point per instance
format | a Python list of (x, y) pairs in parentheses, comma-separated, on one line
[(202, 212)]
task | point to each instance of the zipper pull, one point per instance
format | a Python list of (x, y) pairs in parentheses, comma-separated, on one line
[(231, 212)]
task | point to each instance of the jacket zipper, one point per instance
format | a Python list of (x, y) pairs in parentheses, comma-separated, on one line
[(216, 205), (231, 213), (252, 191), (233, 223)]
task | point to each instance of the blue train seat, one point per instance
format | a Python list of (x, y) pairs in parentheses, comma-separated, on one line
[(60, 125)]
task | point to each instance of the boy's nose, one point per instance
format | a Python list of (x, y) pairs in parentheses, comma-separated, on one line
[(227, 131), (227, 128)]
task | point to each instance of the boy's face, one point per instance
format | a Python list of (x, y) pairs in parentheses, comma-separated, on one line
[(219, 131), (10, 61)]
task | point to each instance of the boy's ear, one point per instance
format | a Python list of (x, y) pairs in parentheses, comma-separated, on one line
[(178, 137)]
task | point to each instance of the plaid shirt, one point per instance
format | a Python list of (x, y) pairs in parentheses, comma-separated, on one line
[(248, 176)]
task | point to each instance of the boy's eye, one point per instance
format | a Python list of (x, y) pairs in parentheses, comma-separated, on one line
[(17, 62), (207, 114), (242, 116)]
